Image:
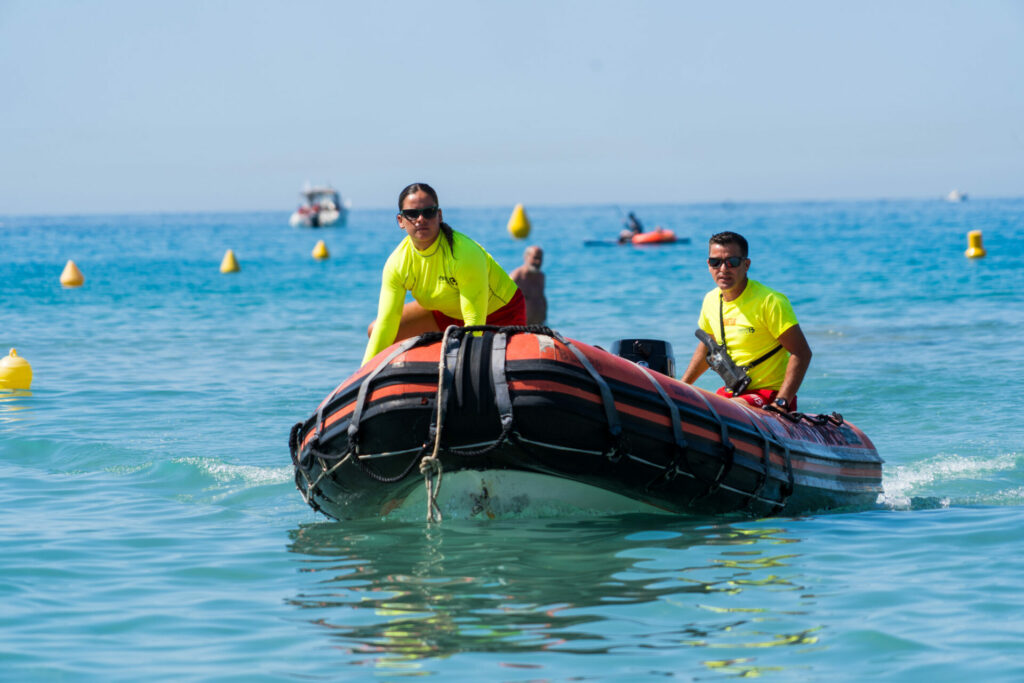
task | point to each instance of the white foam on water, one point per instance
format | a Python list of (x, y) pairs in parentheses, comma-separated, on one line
[(248, 474), (900, 484), (1014, 496)]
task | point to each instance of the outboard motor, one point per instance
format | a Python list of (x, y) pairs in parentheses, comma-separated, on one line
[(652, 353)]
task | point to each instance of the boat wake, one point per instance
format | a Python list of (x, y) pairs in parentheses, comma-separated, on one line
[(226, 473), (955, 480)]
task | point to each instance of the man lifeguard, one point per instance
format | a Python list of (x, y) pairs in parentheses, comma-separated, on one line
[(755, 324), (530, 281)]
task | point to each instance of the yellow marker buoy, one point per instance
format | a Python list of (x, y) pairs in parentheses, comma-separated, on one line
[(519, 224), (15, 372), (72, 276), (229, 264), (320, 251), (974, 248)]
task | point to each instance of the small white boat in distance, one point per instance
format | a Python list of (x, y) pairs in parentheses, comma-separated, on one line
[(956, 196), (322, 206)]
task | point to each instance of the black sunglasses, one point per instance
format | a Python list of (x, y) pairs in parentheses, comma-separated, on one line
[(412, 214), (732, 261)]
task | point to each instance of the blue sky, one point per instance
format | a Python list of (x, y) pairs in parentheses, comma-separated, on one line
[(196, 106)]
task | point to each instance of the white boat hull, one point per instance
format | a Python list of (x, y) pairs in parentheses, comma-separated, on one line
[(324, 219), (493, 494)]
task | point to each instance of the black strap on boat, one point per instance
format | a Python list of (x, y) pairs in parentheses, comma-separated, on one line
[(787, 488), (502, 398), (791, 415), (727, 446), (312, 453), (816, 420), (682, 447), (450, 356), (458, 369), (822, 419), (766, 464), (607, 400), (364, 390), (499, 379), (469, 367)]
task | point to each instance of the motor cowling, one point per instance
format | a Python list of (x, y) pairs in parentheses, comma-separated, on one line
[(655, 354)]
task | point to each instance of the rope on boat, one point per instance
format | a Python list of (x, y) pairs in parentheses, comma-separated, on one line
[(364, 390), (377, 476), (817, 420), (309, 491), (430, 466), (324, 473)]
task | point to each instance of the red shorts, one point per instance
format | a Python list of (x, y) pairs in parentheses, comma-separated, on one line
[(512, 313), (759, 398)]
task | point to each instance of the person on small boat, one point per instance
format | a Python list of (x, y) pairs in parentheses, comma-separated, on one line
[(452, 279), (531, 283), (756, 325), (632, 229)]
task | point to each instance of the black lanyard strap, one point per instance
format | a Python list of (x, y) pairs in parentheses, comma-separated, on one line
[(721, 326)]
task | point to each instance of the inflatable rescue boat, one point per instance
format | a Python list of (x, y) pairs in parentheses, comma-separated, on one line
[(511, 419), (656, 236)]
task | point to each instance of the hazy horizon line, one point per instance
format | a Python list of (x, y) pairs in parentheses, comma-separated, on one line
[(510, 205)]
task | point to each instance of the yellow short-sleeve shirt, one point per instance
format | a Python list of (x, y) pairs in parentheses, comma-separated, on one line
[(753, 323)]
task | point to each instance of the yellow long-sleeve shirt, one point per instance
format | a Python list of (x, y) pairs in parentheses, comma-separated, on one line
[(462, 281)]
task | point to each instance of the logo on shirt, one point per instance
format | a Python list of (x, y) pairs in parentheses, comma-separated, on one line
[(734, 322), (449, 281)]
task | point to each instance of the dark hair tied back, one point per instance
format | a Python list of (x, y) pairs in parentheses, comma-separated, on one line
[(449, 234)]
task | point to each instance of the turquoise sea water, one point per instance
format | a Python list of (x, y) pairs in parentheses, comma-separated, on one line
[(150, 528)]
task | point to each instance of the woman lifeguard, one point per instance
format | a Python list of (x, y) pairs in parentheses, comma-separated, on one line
[(452, 279)]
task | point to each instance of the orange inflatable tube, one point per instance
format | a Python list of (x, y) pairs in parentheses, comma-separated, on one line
[(656, 236)]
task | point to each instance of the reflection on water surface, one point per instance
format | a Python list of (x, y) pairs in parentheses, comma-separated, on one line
[(405, 594)]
